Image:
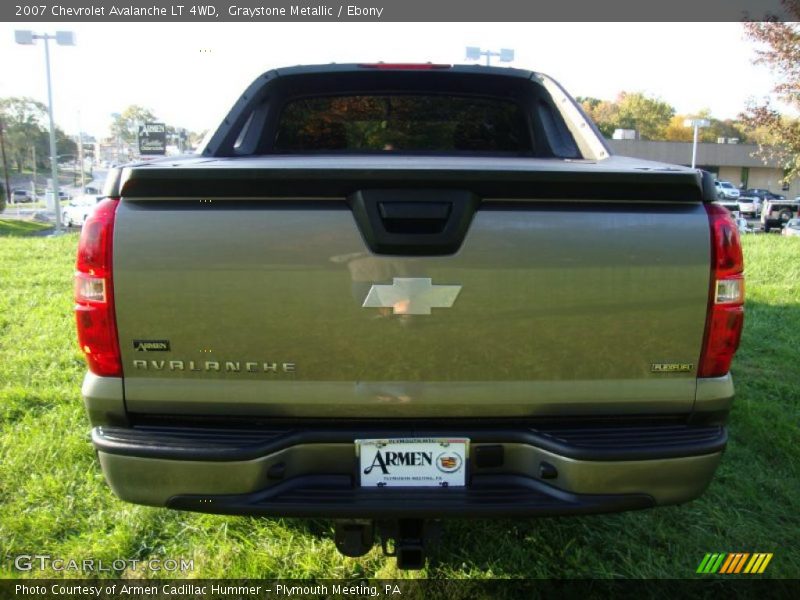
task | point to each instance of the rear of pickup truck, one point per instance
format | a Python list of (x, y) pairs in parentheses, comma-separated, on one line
[(402, 292)]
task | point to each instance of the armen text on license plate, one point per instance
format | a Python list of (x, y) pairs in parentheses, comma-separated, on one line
[(414, 462)]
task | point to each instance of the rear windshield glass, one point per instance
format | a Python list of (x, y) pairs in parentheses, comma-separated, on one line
[(403, 123)]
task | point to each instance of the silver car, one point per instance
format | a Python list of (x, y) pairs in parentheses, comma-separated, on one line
[(792, 228), (726, 190), (749, 205)]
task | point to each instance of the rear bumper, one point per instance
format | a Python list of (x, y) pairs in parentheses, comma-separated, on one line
[(312, 472), (487, 496)]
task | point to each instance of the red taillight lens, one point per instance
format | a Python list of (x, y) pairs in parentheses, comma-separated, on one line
[(726, 296), (94, 292), (726, 247)]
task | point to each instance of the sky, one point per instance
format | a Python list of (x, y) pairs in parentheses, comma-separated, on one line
[(190, 74)]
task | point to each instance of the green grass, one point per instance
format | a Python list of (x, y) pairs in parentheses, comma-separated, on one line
[(38, 205), (53, 499), (16, 227)]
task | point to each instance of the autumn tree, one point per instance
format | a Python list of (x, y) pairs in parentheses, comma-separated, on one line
[(604, 113), (650, 117), (676, 131), (779, 49), (727, 128)]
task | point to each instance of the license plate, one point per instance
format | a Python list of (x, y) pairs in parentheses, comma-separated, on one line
[(413, 462)]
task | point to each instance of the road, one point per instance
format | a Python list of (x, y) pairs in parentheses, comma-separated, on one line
[(26, 211)]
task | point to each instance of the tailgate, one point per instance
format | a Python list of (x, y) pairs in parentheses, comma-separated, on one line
[(282, 306)]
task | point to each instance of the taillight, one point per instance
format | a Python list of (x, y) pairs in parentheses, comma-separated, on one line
[(94, 292), (726, 296)]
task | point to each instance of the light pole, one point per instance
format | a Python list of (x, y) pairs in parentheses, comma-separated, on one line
[(80, 154), (62, 38), (697, 124), (475, 53)]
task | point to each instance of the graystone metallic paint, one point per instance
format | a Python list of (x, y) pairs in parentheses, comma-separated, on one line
[(397, 399), (103, 399), (105, 405), (562, 309), (153, 481), (714, 393)]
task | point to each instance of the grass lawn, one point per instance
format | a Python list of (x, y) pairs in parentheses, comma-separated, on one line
[(53, 499), (16, 227)]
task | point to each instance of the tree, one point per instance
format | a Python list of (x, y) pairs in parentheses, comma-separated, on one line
[(649, 116), (676, 131), (24, 120), (778, 135), (727, 129), (124, 125), (27, 135), (605, 114)]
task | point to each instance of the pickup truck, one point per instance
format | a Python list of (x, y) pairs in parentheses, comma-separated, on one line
[(775, 213), (388, 294)]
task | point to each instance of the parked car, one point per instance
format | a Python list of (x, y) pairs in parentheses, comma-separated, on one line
[(749, 205), (744, 226), (776, 213), (762, 194), (78, 209), (22, 195), (792, 228), (731, 205), (726, 190)]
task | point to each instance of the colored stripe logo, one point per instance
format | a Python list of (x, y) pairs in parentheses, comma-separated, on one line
[(733, 563)]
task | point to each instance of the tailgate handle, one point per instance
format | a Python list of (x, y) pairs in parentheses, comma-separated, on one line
[(415, 210), (411, 221), (415, 217)]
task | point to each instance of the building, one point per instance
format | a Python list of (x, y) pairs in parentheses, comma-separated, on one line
[(737, 163)]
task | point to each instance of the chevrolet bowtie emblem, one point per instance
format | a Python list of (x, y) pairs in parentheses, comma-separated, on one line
[(411, 296)]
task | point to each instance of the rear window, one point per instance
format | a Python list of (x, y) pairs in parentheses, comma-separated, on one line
[(403, 123)]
